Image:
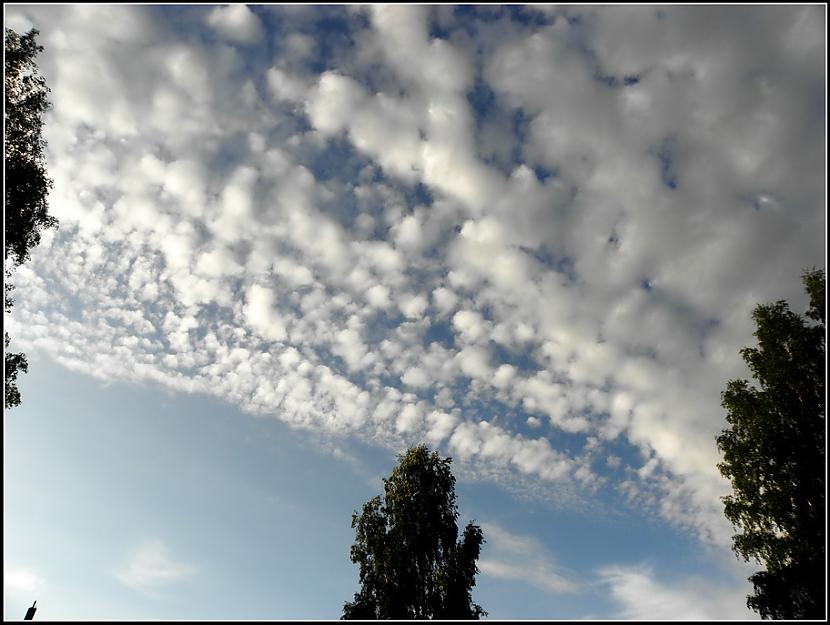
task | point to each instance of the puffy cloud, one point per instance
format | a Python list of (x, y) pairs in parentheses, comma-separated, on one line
[(285, 86), (494, 445), (409, 419), (470, 324), (237, 23), (378, 296), (413, 305), (444, 299), (503, 376), (415, 376), (186, 180), (260, 313), (335, 100), (441, 424), (474, 361), (349, 346), (409, 233), (434, 64), (482, 248)]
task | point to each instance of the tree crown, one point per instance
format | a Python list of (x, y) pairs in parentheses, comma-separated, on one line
[(774, 456), (27, 185), (412, 565)]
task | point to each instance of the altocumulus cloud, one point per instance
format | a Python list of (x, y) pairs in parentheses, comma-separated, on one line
[(491, 234)]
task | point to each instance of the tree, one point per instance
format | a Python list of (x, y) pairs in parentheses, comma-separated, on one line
[(774, 455), (27, 185), (14, 364), (412, 565)]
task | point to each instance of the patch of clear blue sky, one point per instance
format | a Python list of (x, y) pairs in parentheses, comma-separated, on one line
[(93, 470), (338, 160)]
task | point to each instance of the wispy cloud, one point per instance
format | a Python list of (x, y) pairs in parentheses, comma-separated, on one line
[(641, 596), (151, 566), (522, 558)]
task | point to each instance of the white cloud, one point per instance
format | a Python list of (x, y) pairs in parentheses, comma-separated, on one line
[(444, 299), (334, 102), (185, 179), (522, 558), (151, 566), (378, 296), (415, 376), (504, 376), (409, 233), (237, 23), (349, 346), (183, 190), (23, 581), (261, 315), (474, 361), (409, 419), (441, 425), (285, 86), (642, 596), (217, 262), (482, 249), (413, 305), (470, 324)]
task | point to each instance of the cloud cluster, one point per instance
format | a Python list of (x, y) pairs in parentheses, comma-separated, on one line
[(343, 242)]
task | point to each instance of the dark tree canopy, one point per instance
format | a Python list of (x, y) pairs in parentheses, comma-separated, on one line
[(14, 364), (412, 565), (27, 185), (774, 455)]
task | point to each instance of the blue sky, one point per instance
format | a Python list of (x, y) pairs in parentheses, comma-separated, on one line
[(295, 241)]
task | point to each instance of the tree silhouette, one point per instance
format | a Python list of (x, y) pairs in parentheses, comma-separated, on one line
[(27, 185), (412, 565), (774, 455)]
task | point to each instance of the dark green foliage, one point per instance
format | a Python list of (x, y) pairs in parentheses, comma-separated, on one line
[(412, 565), (774, 455), (26, 183), (14, 363)]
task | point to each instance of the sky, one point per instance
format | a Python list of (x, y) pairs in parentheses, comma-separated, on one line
[(296, 240)]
